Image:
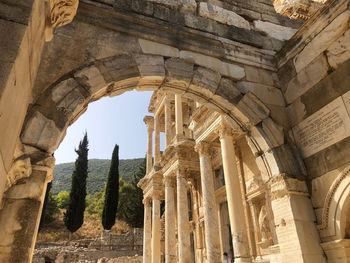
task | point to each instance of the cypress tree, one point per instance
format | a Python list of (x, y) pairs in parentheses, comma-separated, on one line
[(74, 216), (112, 192)]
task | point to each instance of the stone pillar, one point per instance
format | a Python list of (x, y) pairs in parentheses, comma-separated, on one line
[(147, 231), (234, 196), (294, 220), (170, 238), (156, 139), (178, 115), (167, 113), (211, 221), (183, 224), (149, 123), (21, 213), (155, 230)]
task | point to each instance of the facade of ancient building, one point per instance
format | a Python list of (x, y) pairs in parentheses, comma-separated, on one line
[(253, 96)]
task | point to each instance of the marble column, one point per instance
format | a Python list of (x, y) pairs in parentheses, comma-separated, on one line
[(170, 238), (211, 222), (147, 231), (183, 224), (21, 213), (149, 123), (178, 115), (156, 139), (155, 230), (167, 113), (234, 196)]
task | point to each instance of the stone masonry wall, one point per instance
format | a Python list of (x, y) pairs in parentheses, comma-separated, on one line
[(314, 73), (106, 246)]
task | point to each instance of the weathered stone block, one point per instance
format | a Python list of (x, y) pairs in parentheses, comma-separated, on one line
[(261, 76), (273, 30), (205, 81), (143, 7), (227, 89), (307, 78), (226, 69), (222, 15), (321, 185), (253, 108), (322, 41), (91, 78), (150, 47), (339, 51), (150, 65), (119, 68), (41, 132), (267, 94), (274, 133), (179, 72), (286, 159)]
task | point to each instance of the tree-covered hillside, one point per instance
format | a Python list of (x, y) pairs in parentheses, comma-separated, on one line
[(98, 171)]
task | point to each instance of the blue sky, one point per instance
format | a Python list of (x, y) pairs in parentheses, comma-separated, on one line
[(110, 121)]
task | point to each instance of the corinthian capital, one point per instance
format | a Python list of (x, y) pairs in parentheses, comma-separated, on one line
[(149, 121), (202, 148), (59, 13)]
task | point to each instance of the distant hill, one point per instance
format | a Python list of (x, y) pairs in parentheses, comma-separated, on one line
[(98, 172)]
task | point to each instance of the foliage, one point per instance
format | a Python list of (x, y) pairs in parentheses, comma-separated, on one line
[(98, 172), (95, 206), (74, 216), (63, 199), (130, 201), (49, 208), (112, 192)]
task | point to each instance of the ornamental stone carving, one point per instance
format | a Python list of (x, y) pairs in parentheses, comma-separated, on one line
[(202, 148), (297, 9), (266, 238), (59, 13)]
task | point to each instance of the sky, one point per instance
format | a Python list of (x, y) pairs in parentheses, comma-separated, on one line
[(110, 121)]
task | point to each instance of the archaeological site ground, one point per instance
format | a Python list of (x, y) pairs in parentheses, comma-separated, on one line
[(253, 97)]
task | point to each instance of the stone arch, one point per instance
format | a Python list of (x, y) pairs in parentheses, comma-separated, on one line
[(336, 208), (64, 101)]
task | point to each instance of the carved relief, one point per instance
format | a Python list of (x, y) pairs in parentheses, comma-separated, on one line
[(297, 9), (59, 13), (266, 238), (21, 167)]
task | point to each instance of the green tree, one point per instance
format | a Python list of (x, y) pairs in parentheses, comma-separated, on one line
[(49, 208), (112, 192), (130, 202), (74, 216), (95, 206), (63, 199)]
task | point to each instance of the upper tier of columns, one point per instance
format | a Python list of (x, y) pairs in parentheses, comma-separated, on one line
[(154, 125)]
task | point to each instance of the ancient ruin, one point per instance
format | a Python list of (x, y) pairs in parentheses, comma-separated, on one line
[(254, 99)]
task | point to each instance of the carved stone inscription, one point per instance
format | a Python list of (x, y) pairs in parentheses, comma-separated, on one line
[(346, 98), (323, 128)]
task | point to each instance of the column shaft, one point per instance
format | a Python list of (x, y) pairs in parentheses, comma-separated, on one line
[(183, 225), (149, 121), (167, 113), (20, 218), (147, 233), (234, 200), (149, 149), (211, 221), (155, 231), (170, 239), (178, 115), (156, 140)]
